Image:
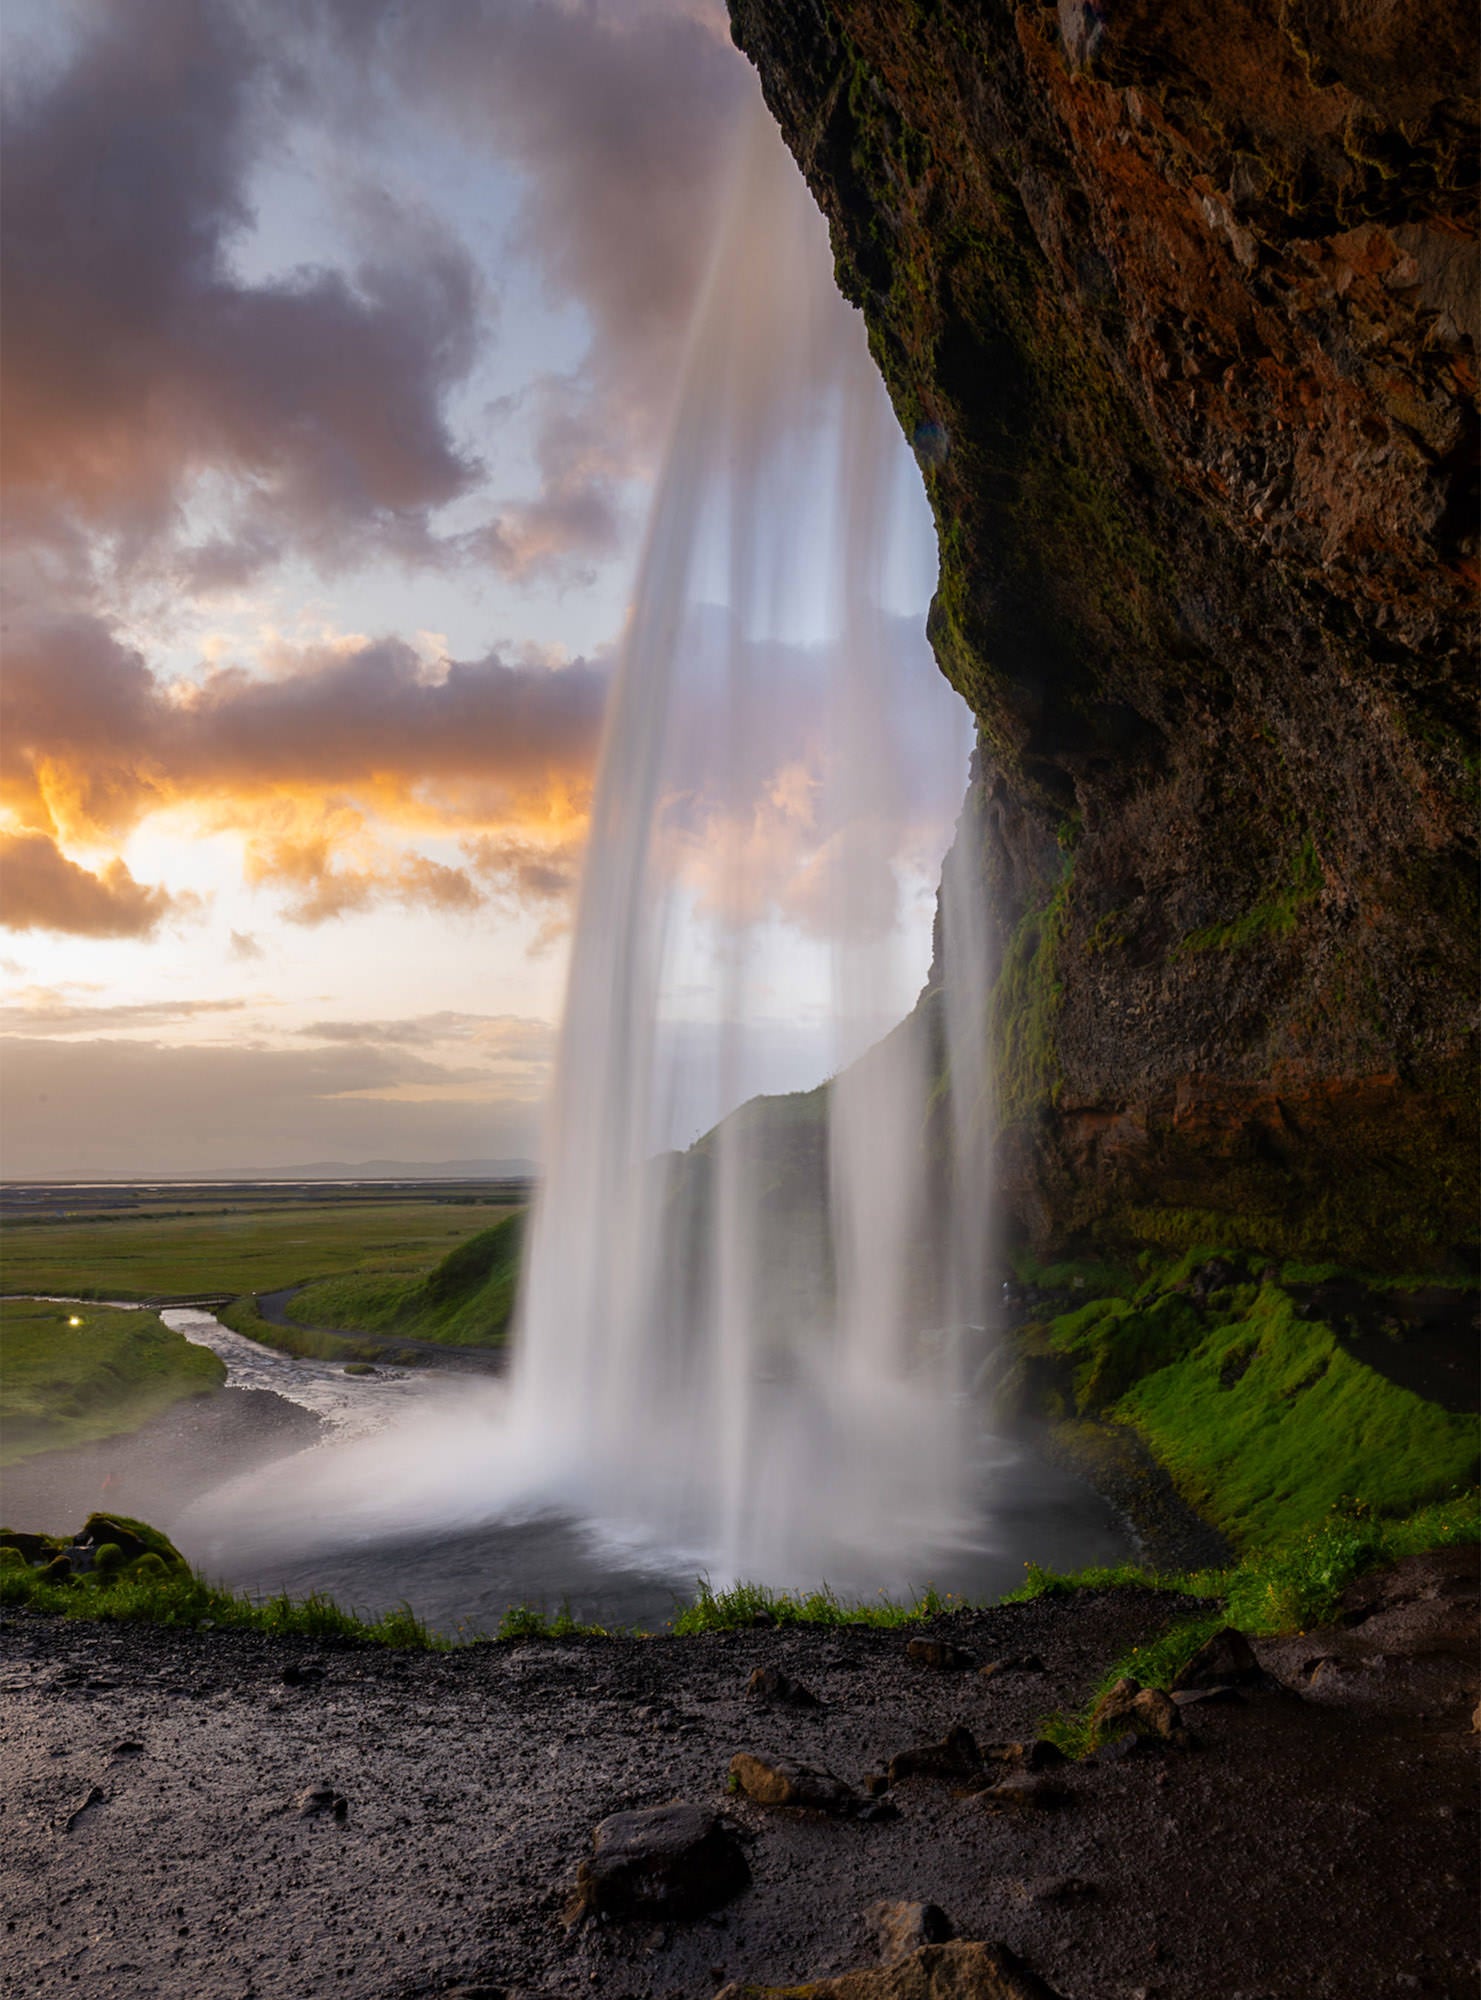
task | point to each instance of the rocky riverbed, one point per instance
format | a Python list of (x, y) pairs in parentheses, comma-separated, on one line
[(220, 1814)]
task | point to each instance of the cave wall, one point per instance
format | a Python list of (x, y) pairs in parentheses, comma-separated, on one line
[(1179, 306)]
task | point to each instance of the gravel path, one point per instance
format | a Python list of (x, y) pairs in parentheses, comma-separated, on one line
[(1317, 1842)]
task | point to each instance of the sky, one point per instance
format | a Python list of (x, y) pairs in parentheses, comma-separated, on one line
[(338, 343)]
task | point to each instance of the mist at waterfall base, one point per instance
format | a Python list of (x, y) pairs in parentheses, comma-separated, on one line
[(762, 1356)]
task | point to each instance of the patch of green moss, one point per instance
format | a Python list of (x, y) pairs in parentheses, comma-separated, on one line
[(1261, 1419), (1291, 1586), (1025, 1005), (1275, 915), (1115, 1344)]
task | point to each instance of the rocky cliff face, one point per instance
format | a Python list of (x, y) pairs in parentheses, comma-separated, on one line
[(1179, 305)]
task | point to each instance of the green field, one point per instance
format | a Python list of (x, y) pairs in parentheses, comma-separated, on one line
[(66, 1383), (234, 1249)]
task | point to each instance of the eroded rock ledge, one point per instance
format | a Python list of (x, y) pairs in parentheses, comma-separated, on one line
[(1180, 307)]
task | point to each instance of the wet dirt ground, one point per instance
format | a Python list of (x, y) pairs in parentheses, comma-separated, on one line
[(1319, 1839)]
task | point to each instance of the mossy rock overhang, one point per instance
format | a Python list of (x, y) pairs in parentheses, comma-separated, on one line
[(1181, 304)]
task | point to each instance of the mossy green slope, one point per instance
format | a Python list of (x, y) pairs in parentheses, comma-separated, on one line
[(465, 1301), (1261, 1417), (69, 1374)]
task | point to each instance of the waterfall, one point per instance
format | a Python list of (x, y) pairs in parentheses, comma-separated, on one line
[(754, 1350)]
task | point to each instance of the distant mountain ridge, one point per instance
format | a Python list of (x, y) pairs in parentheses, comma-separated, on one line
[(315, 1170), (404, 1170)]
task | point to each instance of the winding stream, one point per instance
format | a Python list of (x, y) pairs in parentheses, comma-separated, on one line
[(351, 1406)]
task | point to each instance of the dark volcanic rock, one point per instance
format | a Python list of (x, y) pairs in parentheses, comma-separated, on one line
[(1025, 1790), (1180, 305), (940, 1655), (1225, 1660), (94, 1796), (771, 1684), (674, 1861), (1028, 1663), (322, 1802), (1145, 1711), (956, 1757)]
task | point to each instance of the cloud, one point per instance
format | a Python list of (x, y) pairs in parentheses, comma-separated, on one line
[(40, 889), (310, 763), (245, 948), (133, 359), (524, 870), (506, 1038), (116, 1106), (45, 1010), (618, 119)]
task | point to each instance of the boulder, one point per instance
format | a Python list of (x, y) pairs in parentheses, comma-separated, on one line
[(778, 1781), (1156, 1713), (1015, 1663), (1040, 1755), (955, 1971), (1114, 1706), (1058, 1890), (132, 1538), (940, 1655), (33, 1548), (901, 1928), (956, 1758), (1200, 1697), (1147, 1711), (1025, 1790), (668, 1861), (771, 1684), (1225, 1660)]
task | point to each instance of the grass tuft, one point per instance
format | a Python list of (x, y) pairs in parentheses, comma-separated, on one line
[(743, 1604), (1289, 1588)]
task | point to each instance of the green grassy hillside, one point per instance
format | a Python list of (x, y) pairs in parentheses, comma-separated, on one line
[(466, 1301)]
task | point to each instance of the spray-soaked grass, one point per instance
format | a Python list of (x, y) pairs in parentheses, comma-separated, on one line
[(1291, 1587), (746, 1604), (181, 1598), (65, 1384)]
